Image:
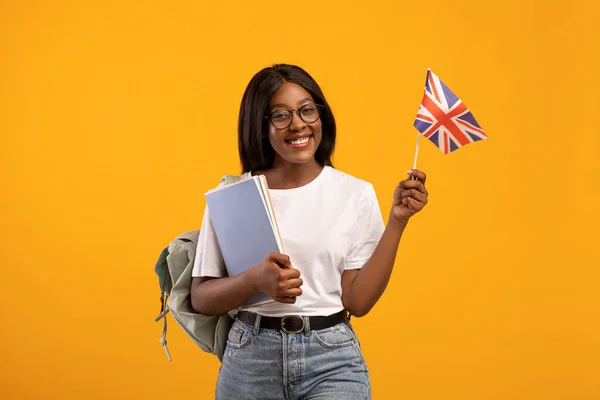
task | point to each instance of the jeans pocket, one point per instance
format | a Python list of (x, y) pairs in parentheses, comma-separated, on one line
[(336, 337), (238, 338)]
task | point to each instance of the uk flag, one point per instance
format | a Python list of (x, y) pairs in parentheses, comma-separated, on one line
[(444, 119)]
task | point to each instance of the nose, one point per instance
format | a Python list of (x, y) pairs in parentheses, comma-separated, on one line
[(297, 123)]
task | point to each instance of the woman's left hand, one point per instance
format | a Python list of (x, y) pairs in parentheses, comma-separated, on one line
[(410, 196)]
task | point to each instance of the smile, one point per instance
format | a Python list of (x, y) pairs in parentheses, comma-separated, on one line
[(300, 143)]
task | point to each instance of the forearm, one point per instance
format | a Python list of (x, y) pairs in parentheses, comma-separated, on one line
[(220, 295), (371, 280)]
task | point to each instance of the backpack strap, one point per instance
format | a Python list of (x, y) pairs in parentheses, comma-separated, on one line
[(163, 315), (229, 179), (164, 280)]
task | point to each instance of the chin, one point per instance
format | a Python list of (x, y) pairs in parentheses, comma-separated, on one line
[(301, 157), (303, 160)]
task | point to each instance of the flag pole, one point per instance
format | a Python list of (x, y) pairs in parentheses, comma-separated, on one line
[(417, 150)]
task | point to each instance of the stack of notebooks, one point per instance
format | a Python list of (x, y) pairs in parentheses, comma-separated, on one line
[(245, 226)]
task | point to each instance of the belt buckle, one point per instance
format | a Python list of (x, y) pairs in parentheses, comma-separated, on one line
[(284, 329)]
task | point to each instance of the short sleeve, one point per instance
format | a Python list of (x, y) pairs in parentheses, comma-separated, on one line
[(369, 229), (209, 260)]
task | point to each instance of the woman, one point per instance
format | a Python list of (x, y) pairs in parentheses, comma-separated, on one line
[(339, 256)]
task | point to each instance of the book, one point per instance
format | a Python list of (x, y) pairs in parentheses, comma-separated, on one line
[(245, 225)]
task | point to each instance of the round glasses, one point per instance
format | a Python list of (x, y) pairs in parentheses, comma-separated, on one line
[(281, 119)]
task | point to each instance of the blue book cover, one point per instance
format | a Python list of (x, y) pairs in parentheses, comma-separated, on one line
[(245, 227)]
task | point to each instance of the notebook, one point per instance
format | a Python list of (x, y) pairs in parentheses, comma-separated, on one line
[(245, 225)]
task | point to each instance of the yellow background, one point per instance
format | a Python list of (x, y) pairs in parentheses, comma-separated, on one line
[(116, 117)]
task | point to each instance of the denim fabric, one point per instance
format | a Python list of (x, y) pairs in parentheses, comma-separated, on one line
[(265, 364)]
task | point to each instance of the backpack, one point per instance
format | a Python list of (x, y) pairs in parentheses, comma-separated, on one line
[(174, 269)]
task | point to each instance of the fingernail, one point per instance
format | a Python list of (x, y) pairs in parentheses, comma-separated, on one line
[(410, 171)]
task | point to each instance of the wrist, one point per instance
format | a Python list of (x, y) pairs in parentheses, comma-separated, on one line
[(252, 277), (397, 223)]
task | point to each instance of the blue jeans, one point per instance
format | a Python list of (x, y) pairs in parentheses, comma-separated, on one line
[(265, 364)]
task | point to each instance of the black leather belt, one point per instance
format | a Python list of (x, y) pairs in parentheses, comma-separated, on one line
[(292, 323)]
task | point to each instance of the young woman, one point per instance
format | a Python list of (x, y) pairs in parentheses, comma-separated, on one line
[(339, 256)]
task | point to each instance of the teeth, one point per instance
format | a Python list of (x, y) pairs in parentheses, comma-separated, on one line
[(300, 141)]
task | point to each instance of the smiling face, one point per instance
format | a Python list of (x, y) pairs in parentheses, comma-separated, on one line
[(297, 143)]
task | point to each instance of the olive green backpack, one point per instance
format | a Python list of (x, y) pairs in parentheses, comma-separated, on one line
[(174, 270)]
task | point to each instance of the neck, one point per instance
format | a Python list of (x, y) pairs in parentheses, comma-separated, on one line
[(290, 176)]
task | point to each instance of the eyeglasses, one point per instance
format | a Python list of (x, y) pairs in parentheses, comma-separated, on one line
[(309, 113)]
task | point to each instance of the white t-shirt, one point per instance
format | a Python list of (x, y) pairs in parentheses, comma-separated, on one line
[(327, 226)]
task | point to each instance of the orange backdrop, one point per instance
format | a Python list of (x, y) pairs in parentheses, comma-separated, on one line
[(116, 117)]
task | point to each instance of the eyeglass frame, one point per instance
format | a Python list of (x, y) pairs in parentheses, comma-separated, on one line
[(319, 108)]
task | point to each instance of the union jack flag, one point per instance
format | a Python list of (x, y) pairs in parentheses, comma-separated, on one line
[(444, 119)]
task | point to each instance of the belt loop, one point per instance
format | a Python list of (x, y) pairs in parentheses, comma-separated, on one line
[(307, 331), (256, 329)]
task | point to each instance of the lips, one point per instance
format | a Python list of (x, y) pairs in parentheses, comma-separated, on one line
[(299, 142)]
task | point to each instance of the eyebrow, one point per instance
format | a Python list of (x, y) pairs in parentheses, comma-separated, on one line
[(280, 105)]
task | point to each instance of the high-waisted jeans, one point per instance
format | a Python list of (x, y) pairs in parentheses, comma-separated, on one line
[(265, 364)]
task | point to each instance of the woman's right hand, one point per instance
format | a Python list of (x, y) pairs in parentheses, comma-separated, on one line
[(276, 277)]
